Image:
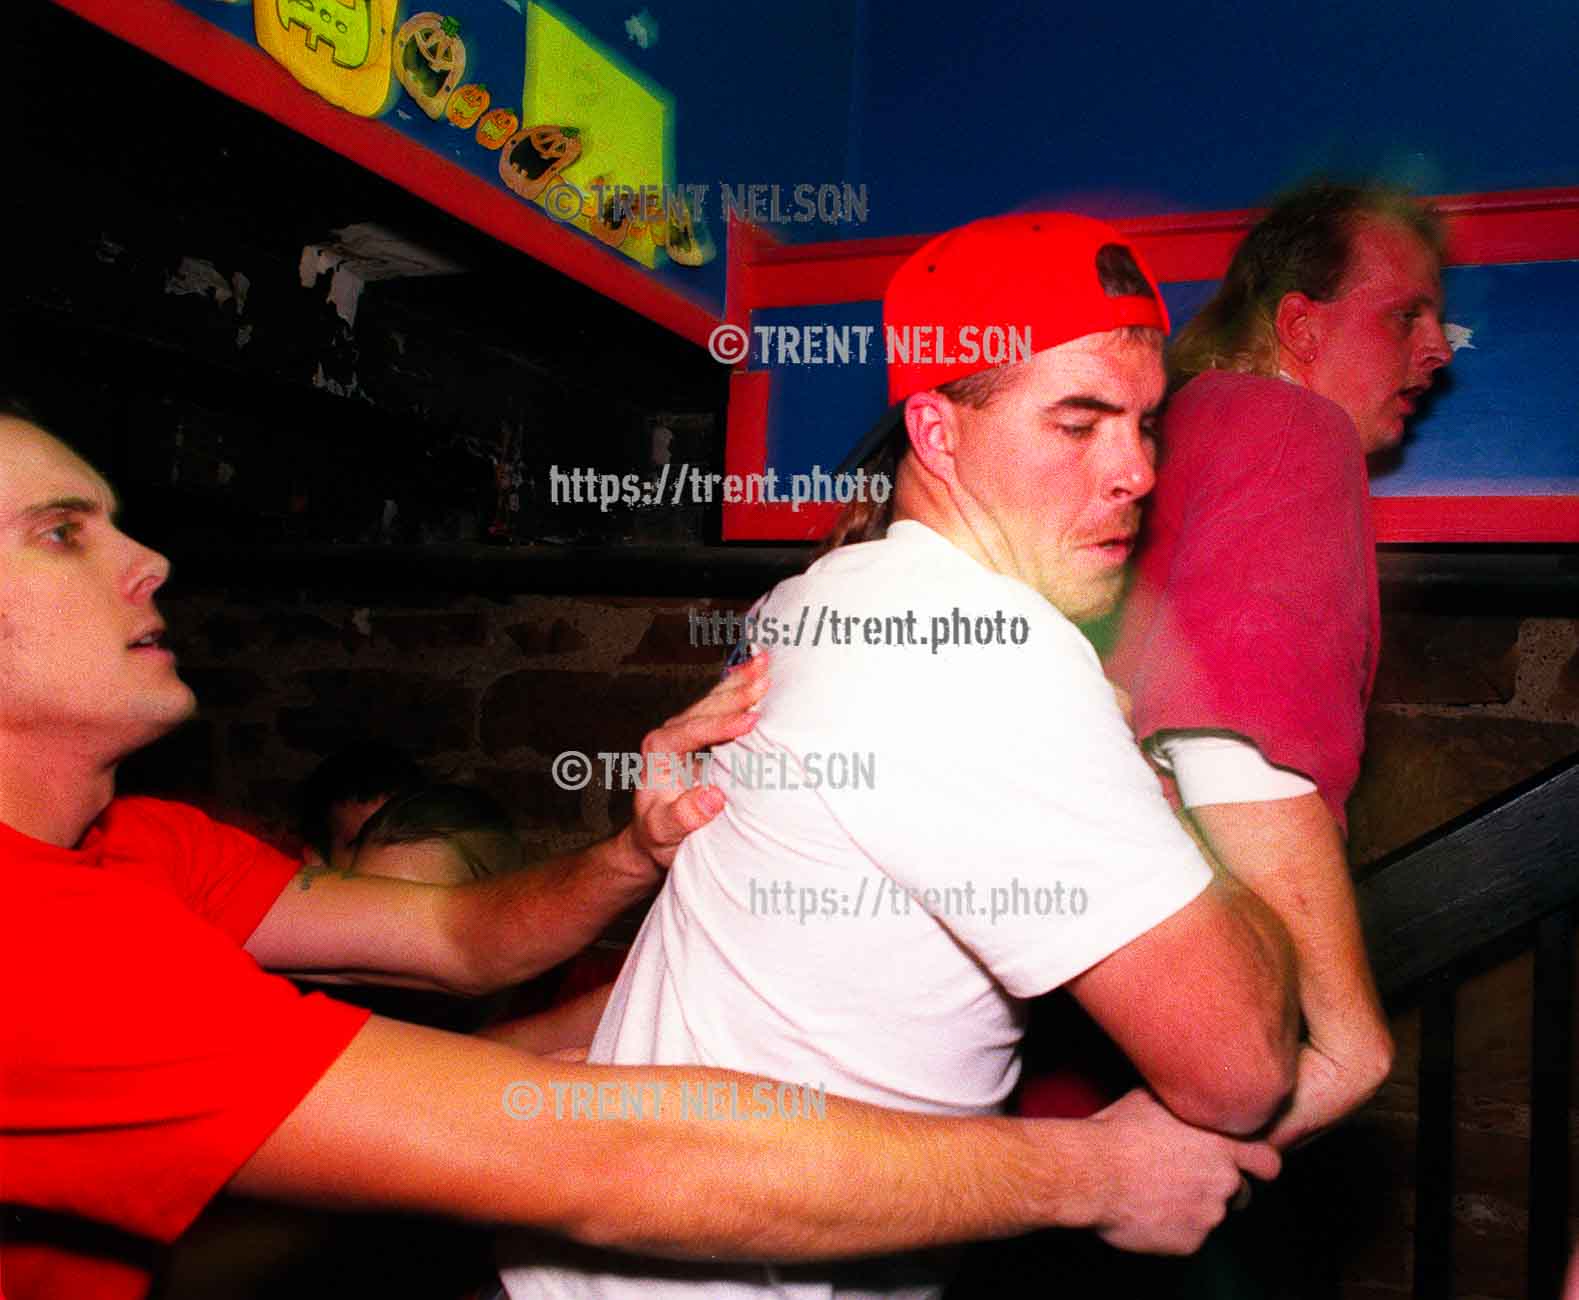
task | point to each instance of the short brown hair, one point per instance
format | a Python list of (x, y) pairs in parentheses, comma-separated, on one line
[(864, 520)]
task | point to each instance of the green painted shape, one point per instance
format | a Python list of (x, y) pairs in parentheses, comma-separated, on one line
[(348, 30)]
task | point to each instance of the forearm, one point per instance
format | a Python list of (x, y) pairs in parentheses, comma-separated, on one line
[(426, 1118), (1218, 1049), (511, 928), (466, 939), (478, 937), (771, 1190), (1256, 1034), (1291, 854)]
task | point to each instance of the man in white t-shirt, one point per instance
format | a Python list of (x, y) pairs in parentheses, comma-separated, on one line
[(941, 810)]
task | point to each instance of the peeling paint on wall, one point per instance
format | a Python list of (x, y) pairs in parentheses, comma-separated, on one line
[(353, 389), (364, 253), (198, 276)]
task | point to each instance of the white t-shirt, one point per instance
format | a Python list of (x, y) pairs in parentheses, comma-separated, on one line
[(983, 829), (1211, 768)]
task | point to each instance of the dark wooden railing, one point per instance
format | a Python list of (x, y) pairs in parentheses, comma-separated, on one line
[(1506, 874)]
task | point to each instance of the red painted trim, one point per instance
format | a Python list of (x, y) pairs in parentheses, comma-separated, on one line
[(1547, 519), (1513, 226), (746, 437), (247, 74), (808, 275), (1483, 230), (748, 246), (745, 454)]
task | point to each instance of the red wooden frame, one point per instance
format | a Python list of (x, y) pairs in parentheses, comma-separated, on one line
[(1548, 519), (247, 74), (1538, 225)]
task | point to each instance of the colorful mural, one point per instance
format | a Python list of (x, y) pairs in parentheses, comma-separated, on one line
[(519, 94)]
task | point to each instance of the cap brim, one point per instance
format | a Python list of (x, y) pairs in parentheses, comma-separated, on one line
[(871, 442)]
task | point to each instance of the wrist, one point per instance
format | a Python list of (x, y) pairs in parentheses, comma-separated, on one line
[(1065, 1174), (625, 856)]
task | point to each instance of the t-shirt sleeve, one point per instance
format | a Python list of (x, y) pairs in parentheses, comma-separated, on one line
[(228, 877), (1008, 771), (1261, 619), (1223, 769), (143, 1056)]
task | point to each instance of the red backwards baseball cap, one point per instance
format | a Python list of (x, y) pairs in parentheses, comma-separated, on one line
[(1048, 277)]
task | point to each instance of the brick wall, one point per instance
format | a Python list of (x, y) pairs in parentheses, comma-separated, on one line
[(478, 689)]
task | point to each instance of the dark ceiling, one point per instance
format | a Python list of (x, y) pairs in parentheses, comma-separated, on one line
[(122, 167), (127, 128)]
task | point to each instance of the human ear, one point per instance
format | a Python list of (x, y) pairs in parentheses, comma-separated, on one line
[(1298, 325), (932, 425)]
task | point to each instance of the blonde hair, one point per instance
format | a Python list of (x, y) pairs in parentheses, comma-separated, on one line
[(1302, 245)]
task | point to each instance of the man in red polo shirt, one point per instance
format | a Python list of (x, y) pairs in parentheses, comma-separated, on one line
[(146, 1061)]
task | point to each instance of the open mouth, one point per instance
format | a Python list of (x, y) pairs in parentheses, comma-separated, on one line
[(1116, 547), (423, 74), (153, 640), (528, 161)]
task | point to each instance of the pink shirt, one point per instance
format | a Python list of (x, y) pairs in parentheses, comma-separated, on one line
[(1253, 608)]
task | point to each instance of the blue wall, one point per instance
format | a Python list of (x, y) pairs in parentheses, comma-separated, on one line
[(1127, 109), (948, 112)]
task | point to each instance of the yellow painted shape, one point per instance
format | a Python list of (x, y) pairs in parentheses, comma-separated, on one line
[(623, 120), (339, 49)]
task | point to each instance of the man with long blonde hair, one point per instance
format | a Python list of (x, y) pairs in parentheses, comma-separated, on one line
[(1250, 632), (1250, 640)]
